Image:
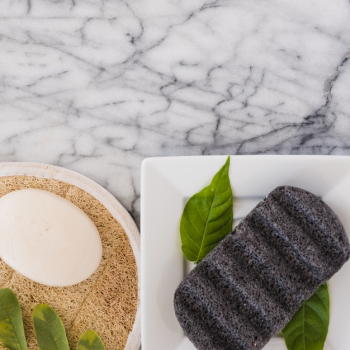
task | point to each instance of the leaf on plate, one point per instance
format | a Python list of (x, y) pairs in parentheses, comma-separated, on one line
[(49, 329), (11, 324), (207, 217), (90, 341), (308, 328)]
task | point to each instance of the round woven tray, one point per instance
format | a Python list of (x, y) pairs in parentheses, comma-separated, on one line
[(107, 302)]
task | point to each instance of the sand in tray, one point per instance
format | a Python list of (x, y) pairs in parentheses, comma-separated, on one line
[(250, 286)]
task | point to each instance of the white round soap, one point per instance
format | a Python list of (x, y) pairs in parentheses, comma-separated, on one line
[(47, 238)]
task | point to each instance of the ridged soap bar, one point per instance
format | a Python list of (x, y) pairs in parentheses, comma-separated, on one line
[(250, 286)]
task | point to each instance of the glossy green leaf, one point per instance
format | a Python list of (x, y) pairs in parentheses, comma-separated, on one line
[(308, 328), (207, 217), (49, 329), (90, 341), (11, 325)]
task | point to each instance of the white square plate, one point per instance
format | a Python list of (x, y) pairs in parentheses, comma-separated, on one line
[(167, 183)]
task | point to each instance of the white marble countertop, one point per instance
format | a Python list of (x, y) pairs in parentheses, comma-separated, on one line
[(98, 85)]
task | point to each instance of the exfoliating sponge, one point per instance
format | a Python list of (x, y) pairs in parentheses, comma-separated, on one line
[(250, 286)]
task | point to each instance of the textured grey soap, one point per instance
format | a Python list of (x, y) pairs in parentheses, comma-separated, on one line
[(249, 287)]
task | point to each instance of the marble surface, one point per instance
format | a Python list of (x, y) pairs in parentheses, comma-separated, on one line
[(98, 85)]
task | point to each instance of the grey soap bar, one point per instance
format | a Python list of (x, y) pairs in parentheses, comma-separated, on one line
[(250, 286)]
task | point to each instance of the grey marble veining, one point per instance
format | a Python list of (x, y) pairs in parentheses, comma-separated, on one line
[(98, 85)]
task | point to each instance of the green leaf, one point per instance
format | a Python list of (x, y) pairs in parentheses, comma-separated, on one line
[(90, 341), (308, 328), (207, 217), (49, 329), (11, 325)]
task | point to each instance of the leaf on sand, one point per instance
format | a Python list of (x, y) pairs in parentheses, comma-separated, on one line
[(207, 217), (49, 329), (11, 325), (90, 341), (308, 328)]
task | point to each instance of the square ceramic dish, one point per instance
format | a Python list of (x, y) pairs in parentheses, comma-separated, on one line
[(167, 183)]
